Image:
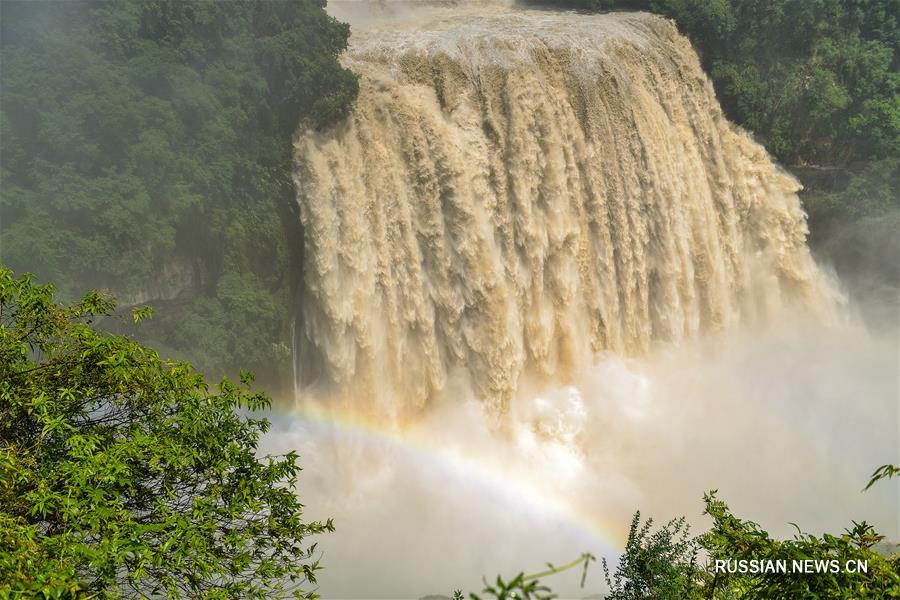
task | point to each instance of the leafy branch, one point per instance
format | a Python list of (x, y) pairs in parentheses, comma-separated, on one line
[(882, 472), (528, 587)]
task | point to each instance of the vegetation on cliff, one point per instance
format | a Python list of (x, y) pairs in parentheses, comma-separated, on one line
[(146, 149), (816, 80)]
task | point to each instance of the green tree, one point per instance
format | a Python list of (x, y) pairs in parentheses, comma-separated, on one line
[(661, 565), (125, 474)]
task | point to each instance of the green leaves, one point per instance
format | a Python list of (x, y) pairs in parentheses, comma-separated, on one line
[(528, 587), (122, 474), (807, 77), (734, 539), (664, 564), (882, 472), (659, 565), (139, 313), (517, 588)]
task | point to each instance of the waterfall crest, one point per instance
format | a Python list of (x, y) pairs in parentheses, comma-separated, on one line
[(518, 191)]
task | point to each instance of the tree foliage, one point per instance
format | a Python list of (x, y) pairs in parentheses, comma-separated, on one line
[(664, 564), (816, 79), (146, 148), (732, 538), (661, 565), (870, 191), (124, 474)]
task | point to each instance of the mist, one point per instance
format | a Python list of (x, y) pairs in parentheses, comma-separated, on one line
[(786, 422)]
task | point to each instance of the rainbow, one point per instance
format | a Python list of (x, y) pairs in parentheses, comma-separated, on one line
[(605, 538)]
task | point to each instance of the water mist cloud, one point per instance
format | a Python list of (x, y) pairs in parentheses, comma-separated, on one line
[(787, 422)]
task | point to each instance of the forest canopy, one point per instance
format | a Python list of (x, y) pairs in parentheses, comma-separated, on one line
[(146, 149)]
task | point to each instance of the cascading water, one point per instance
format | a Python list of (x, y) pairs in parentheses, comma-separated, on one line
[(541, 214), (517, 191)]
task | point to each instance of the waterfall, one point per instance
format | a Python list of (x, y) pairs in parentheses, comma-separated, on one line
[(516, 192)]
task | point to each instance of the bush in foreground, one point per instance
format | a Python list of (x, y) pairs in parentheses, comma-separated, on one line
[(125, 474), (666, 564)]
